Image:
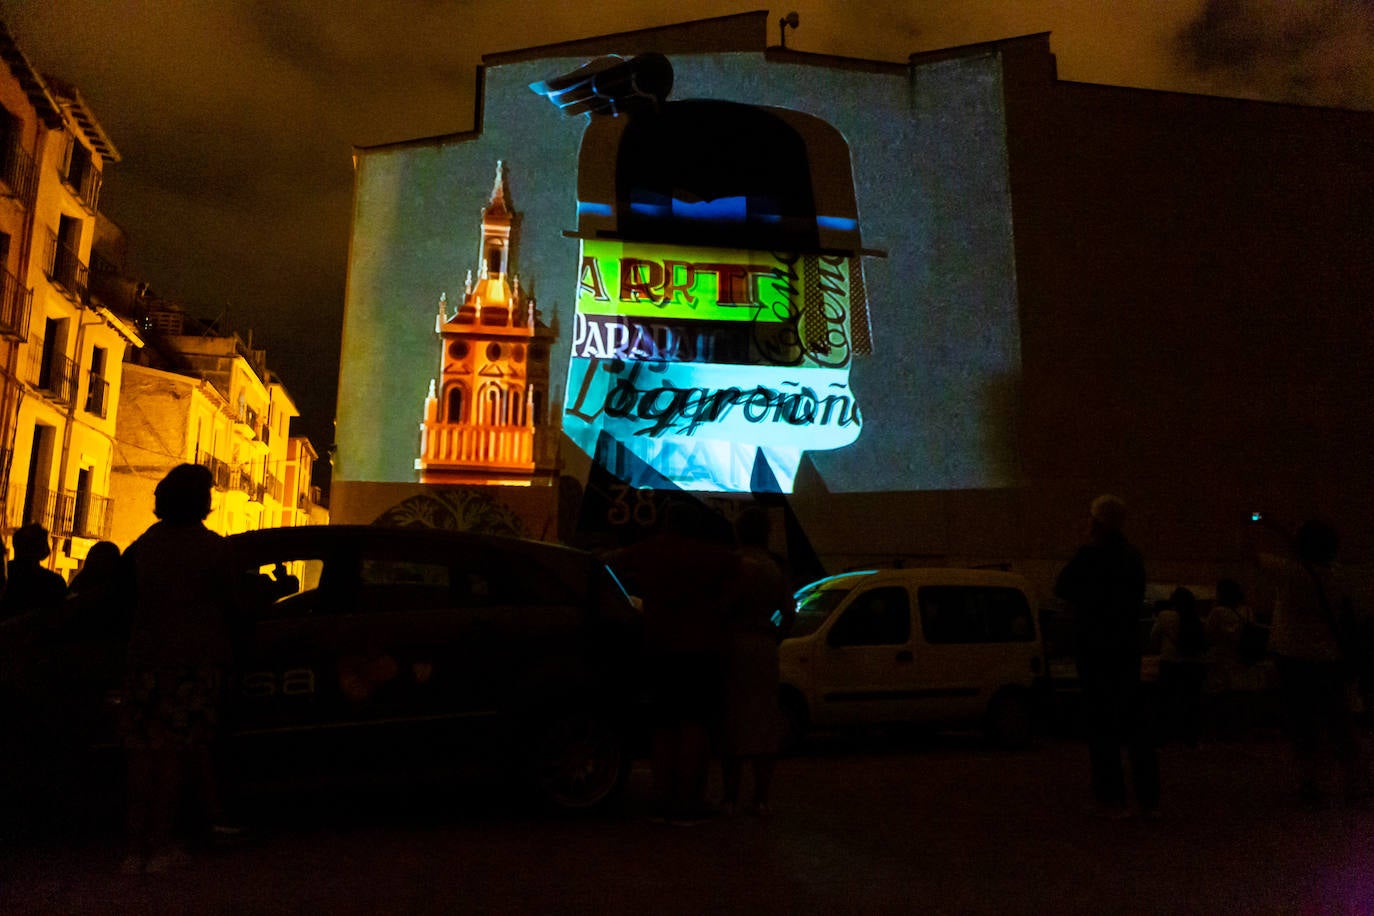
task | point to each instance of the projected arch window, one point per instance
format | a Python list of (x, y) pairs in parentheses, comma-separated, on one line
[(454, 405), (492, 405)]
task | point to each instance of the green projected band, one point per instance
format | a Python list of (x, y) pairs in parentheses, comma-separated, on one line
[(624, 278)]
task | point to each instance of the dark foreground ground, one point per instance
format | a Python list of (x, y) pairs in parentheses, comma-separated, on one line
[(859, 826)]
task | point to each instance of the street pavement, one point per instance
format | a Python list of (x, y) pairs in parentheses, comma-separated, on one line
[(906, 824)]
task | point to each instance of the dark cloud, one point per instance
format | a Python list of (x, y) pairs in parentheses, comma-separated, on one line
[(1316, 52), (236, 118)]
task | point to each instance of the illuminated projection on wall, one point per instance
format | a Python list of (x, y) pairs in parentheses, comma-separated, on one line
[(755, 272), (720, 296)]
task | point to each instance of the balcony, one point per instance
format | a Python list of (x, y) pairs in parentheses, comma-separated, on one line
[(448, 446), (83, 179), (18, 173), (15, 301), (218, 470), (65, 513), (63, 266), (97, 396), (273, 487), (52, 375), (241, 479)]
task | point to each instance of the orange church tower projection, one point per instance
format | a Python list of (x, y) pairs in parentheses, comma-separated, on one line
[(486, 416)]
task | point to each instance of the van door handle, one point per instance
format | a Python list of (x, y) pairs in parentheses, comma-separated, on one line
[(905, 657)]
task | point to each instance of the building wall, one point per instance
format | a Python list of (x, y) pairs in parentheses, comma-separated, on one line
[(1186, 277), (54, 398)]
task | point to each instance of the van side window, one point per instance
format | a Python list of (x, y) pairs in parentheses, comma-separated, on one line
[(877, 617), (974, 614)]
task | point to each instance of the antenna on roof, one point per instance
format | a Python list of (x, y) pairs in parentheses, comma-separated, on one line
[(791, 19)]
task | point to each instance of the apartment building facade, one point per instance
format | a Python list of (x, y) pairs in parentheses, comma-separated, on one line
[(201, 396), (61, 351)]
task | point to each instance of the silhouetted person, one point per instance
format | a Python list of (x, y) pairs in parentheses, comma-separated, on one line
[(30, 586), (753, 718), (1104, 586), (1179, 637), (1235, 649), (681, 575), (93, 610), (179, 648), (1311, 601)]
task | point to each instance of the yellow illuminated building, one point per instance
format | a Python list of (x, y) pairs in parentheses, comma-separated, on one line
[(61, 351), (211, 401)]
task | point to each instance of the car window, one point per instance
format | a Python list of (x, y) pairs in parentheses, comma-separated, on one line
[(387, 584), (814, 608), (876, 617), (282, 583), (974, 614)]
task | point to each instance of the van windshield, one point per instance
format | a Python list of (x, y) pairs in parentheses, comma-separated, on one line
[(814, 607)]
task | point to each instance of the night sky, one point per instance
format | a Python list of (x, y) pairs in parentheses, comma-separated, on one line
[(236, 120)]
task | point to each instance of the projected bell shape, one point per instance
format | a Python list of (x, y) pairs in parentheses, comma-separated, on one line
[(720, 296)]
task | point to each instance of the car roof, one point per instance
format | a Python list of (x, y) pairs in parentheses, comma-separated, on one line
[(335, 535), (924, 575)]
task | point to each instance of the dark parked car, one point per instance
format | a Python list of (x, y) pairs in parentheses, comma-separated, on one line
[(413, 652)]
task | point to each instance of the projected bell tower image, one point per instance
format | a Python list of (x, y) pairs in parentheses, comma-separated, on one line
[(485, 415), (720, 298)]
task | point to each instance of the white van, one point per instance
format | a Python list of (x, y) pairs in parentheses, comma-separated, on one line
[(936, 646)]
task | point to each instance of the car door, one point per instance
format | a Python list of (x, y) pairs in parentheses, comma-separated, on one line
[(411, 649), (864, 673), (975, 639), (292, 593)]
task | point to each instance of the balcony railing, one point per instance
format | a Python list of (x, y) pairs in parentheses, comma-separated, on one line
[(242, 479), (444, 445), (15, 301), (52, 374), (97, 395), (272, 487), (219, 470), (86, 186), (65, 513), (18, 171), (66, 270)]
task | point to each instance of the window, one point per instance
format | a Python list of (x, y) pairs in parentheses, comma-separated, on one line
[(877, 617), (454, 411), (77, 163), (80, 174), (493, 405), (814, 608), (50, 353), (393, 584), (16, 165), (37, 503), (974, 614), (97, 390), (81, 508), (285, 585), (66, 267)]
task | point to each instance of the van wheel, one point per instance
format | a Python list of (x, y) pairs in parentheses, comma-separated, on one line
[(795, 719), (577, 761), (1009, 719)]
